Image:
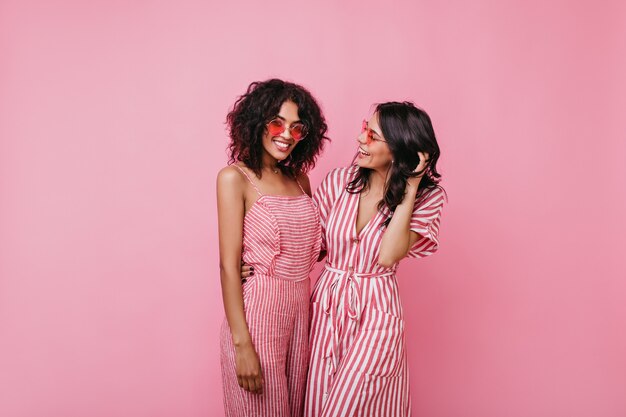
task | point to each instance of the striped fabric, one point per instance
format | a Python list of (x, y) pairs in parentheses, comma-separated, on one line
[(281, 239), (358, 363)]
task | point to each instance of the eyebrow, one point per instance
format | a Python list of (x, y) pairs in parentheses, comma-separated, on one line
[(283, 119), (368, 126)]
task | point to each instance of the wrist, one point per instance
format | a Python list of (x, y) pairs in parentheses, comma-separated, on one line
[(412, 183), (241, 341)]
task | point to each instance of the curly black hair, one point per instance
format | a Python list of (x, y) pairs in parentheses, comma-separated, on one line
[(262, 101), (407, 130)]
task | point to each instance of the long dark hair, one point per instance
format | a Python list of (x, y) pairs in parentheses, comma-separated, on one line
[(407, 130), (261, 102)]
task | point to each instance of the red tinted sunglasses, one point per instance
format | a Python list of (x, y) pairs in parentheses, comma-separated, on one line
[(276, 127), (371, 135)]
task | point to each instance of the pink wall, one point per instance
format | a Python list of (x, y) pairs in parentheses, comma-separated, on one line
[(111, 133)]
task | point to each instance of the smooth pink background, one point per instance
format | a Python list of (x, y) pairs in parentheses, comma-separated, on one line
[(112, 132)]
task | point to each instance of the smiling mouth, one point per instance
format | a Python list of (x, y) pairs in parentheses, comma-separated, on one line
[(282, 146), (362, 152)]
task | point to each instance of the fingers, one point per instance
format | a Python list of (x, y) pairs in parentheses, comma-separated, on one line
[(423, 163), (246, 271), (260, 382), (244, 384), (253, 384), (250, 374), (256, 385), (247, 383)]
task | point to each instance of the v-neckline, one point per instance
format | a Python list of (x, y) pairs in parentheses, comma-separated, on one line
[(356, 217)]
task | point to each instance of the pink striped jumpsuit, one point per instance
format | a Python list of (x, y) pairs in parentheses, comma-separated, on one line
[(358, 363), (281, 240)]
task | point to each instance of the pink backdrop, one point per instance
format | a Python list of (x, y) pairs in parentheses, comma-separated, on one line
[(111, 134)]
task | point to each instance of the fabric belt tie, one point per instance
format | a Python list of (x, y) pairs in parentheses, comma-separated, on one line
[(345, 293)]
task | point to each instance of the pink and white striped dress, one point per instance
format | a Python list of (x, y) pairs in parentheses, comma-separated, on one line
[(358, 363), (281, 240)]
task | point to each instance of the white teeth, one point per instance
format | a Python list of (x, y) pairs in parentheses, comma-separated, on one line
[(282, 146), (362, 152)]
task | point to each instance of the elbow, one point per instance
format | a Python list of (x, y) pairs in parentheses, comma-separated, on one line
[(227, 273), (389, 256), (386, 261)]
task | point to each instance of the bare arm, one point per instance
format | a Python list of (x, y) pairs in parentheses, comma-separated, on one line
[(231, 209), (398, 237)]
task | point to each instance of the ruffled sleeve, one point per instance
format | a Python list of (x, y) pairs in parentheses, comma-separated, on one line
[(425, 222)]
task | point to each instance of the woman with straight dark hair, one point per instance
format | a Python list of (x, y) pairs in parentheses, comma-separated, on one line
[(383, 208)]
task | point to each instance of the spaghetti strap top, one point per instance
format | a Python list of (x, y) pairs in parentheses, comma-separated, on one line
[(281, 234), (256, 188), (249, 179), (301, 189)]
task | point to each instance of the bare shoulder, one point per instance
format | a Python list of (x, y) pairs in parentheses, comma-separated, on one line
[(231, 178), (304, 181)]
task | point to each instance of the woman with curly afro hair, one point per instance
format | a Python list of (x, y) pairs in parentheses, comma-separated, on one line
[(268, 220)]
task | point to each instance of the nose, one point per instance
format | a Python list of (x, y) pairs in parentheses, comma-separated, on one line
[(362, 138), (286, 134)]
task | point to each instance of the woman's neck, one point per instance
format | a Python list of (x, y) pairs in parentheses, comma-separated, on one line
[(269, 163), (377, 180)]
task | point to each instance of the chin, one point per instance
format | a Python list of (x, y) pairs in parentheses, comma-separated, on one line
[(370, 165), (364, 164), (279, 156)]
